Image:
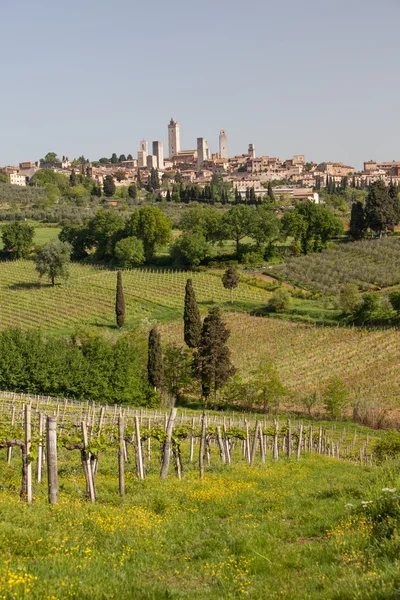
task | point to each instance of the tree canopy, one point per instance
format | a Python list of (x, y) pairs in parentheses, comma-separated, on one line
[(17, 239), (53, 260), (311, 225)]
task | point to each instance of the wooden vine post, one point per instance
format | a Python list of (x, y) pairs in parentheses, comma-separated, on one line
[(52, 471), (121, 456), (202, 444), (139, 449), (9, 449), (86, 463), (39, 466), (26, 492), (167, 444)]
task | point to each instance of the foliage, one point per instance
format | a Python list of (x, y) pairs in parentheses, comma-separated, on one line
[(212, 361), (155, 371), (382, 211), (268, 387), (388, 446), (120, 302), (191, 317), (311, 225), (79, 238), (230, 280), (368, 264), (238, 223), (105, 229), (358, 223), (203, 220), (189, 250), (150, 225), (86, 366), (17, 239), (53, 260), (368, 307), (280, 301), (109, 186), (129, 252), (177, 370), (394, 298), (335, 396), (348, 298)]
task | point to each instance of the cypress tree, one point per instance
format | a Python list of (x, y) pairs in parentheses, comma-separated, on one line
[(120, 302), (72, 178), (212, 361), (191, 317), (155, 371), (230, 280), (357, 221), (378, 208), (271, 194)]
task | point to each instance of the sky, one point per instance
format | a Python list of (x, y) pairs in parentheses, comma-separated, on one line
[(94, 77)]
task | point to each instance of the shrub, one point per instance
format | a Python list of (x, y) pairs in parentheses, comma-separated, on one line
[(388, 446), (280, 301), (189, 249), (394, 299), (129, 252), (253, 258), (368, 307), (335, 397), (348, 298)]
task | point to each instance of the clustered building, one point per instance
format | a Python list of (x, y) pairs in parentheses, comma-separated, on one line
[(197, 165)]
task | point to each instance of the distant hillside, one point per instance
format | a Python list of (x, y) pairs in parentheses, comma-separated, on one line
[(13, 194), (370, 264)]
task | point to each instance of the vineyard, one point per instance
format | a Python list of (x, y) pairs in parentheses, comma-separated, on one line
[(372, 264), (308, 356), (88, 297), (244, 504)]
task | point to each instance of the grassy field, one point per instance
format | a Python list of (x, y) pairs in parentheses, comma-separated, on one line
[(42, 235), (281, 530)]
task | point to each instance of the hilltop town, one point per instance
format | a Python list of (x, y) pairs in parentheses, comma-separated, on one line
[(293, 176)]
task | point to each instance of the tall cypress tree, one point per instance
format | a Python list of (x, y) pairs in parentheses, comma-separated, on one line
[(357, 221), (271, 194), (155, 371), (191, 317), (212, 361), (120, 302)]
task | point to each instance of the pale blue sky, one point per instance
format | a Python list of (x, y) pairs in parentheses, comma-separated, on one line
[(94, 77)]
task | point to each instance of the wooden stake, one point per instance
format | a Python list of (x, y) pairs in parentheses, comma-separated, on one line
[(167, 444), (139, 449), (40, 450), (121, 456), (51, 447)]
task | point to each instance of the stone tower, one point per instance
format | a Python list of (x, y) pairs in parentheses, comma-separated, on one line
[(202, 152), (252, 150), (158, 151), (223, 144), (174, 142)]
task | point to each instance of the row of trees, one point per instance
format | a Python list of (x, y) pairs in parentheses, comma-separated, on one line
[(207, 361), (380, 213), (85, 366)]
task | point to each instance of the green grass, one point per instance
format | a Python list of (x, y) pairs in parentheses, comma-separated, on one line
[(42, 235), (281, 530)]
